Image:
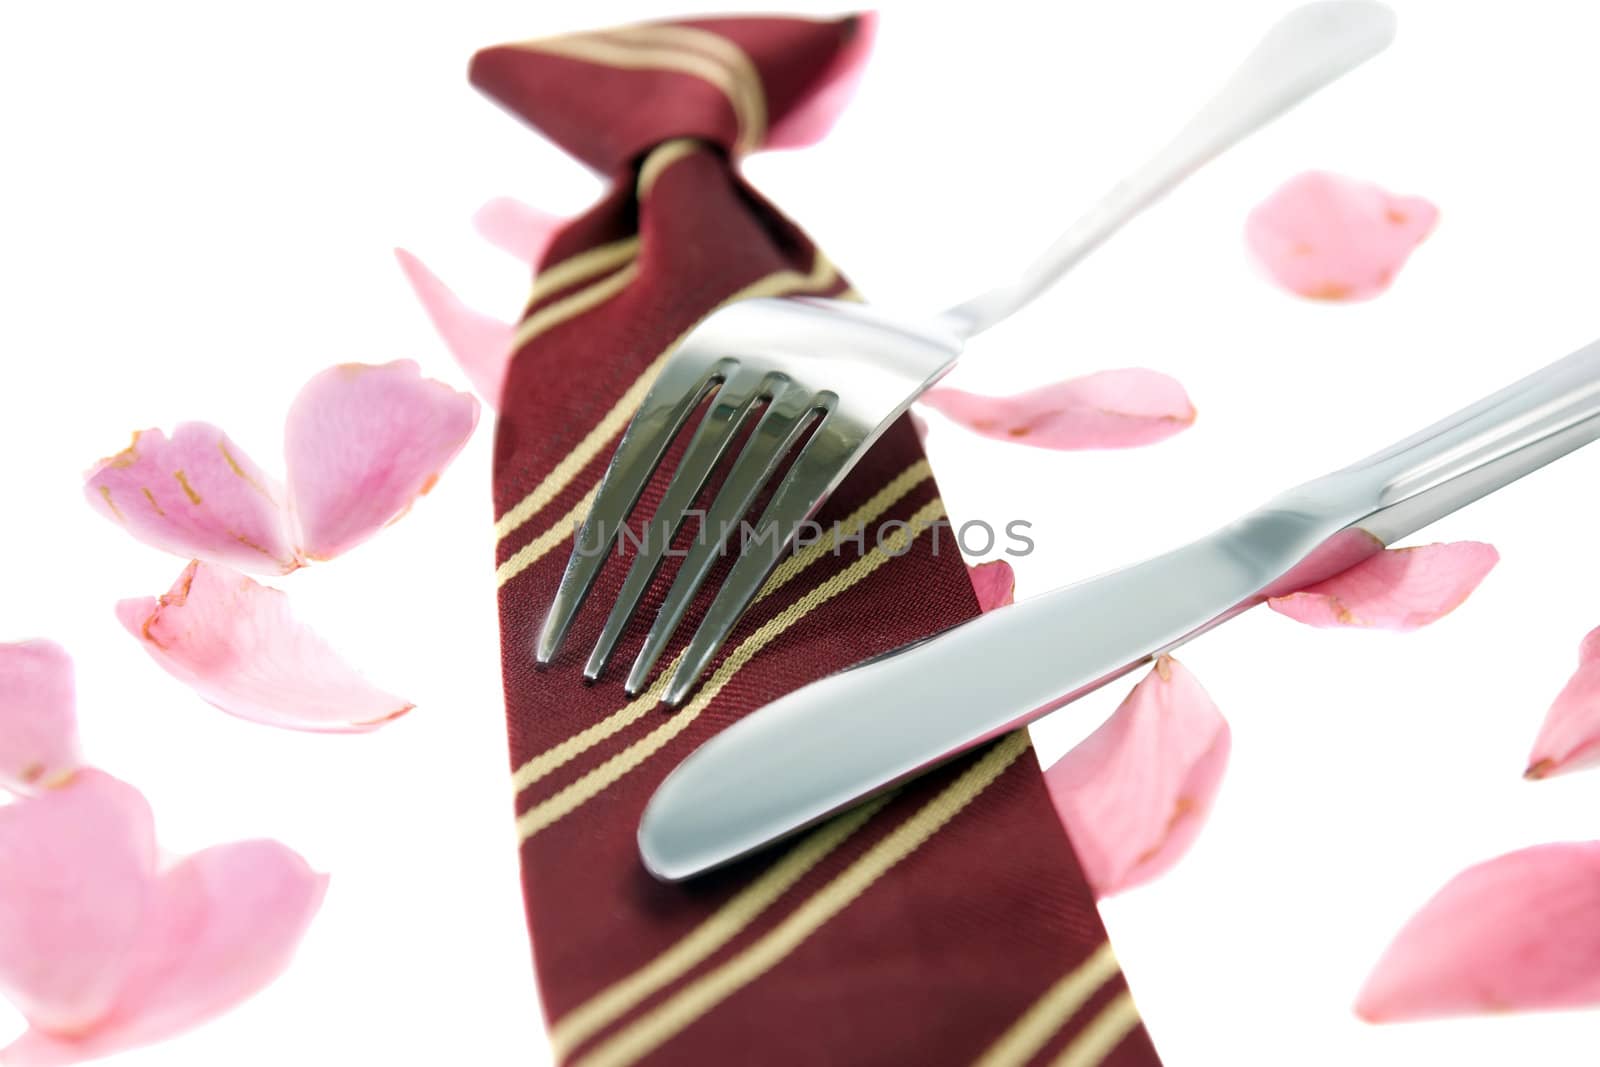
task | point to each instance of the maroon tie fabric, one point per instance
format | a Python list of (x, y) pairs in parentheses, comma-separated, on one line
[(948, 923)]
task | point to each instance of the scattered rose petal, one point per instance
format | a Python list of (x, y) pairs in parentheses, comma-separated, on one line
[(1111, 409), (78, 862), (1518, 933), (361, 443), (1400, 589), (224, 924), (521, 230), (1134, 794), (1569, 740), (38, 716), (1332, 238), (995, 583), (811, 121), (196, 494), (1345, 549), (480, 343), (105, 951), (235, 643)]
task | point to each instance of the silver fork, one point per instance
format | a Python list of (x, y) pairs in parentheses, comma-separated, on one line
[(844, 372)]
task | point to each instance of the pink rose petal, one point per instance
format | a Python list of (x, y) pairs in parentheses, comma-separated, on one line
[(361, 443), (1337, 554), (521, 230), (1569, 740), (995, 583), (102, 951), (1111, 409), (811, 121), (1401, 589), (1134, 794), (78, 863), (480, 343), (235, 643), (1332, 238), (1518, 933), (224, 924), (196, 494), (38, 715)]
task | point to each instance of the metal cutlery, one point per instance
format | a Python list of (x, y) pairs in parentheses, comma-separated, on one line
[(836, 741), (843, 373)]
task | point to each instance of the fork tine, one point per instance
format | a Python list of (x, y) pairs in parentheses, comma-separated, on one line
[(735, 400), (785, 419), (819, 465), (666, 407)]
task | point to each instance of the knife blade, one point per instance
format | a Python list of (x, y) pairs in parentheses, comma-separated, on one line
[(854, 734)]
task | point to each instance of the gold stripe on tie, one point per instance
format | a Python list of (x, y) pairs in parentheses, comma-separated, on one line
[(672, 1016), (572, 305), (545, 543), (845, 529), (563, 275), (660, 158), (746, 79), (778, 283), (620, 52), (601, 1010), (563, 803), (601, 259), (1102, 1035), (1030, 1033)]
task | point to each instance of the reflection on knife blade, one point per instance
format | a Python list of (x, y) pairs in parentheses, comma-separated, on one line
[(829, 744)]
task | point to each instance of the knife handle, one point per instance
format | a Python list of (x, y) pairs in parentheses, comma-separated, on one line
[(1470, 454)]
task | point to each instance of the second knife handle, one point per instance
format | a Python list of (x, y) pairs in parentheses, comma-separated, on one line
[(1472, 453)]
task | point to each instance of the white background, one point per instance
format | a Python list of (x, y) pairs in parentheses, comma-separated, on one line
[(199, 203)]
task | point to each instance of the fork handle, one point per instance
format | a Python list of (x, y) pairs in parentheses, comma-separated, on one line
[(1309, 48)]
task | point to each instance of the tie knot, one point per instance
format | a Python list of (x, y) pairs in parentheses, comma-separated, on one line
[(610, 96)]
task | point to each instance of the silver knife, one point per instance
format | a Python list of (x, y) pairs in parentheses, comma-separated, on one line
[(830, 744)]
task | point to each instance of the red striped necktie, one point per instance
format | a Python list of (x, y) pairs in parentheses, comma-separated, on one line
[(947, 923)]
